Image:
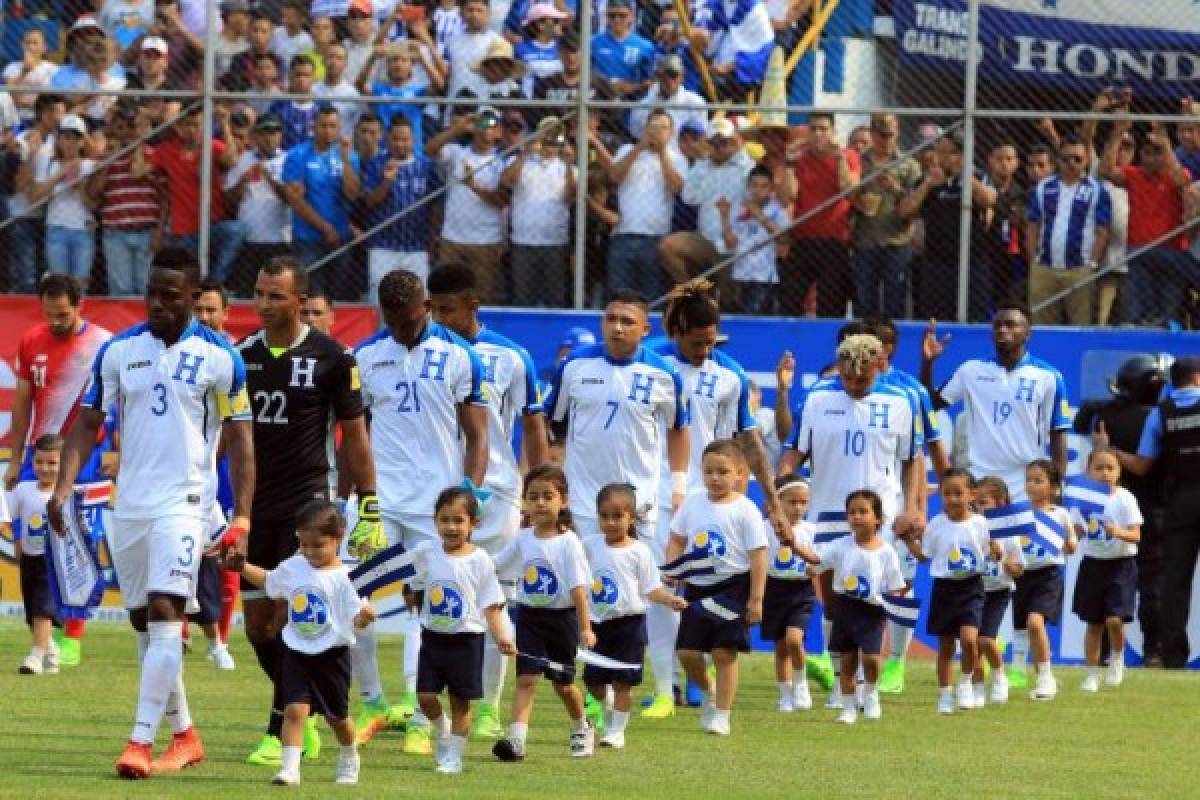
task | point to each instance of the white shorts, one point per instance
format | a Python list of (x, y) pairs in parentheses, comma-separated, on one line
[(411, 530), (157, 556), (381, 261)]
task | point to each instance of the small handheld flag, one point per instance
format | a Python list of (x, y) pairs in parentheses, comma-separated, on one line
[(830, 526), (691, 564), (722, 608), (587, 657), (1048, 533), (1016, 519), (1086, 496), (76, 583), (388, 566), (902, 610)]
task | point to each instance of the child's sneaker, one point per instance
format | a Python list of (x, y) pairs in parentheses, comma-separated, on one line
[(613, 739), (706, 715), (945, 703), (1115, 674), (718, 726), (999, 692), (785, 705), (416, 741), (509, 750), (966, 697), (1045, 688), (872, 708), (285, 778), (186, 750), (834, 701), (1091, 683), (450, 765), (221, 658), (848, 716), (32, 665), (312, 740), (801, 699), (583, 743), (860, 695), (980, 692), (346, 772)]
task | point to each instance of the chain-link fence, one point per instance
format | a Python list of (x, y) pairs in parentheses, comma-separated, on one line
[(815, 157)]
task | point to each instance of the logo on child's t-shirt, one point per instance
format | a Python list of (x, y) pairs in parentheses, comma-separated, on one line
[(539, 584), (961, 562), (787, 562), (445, 607), (710, 542), (857, 586), (309, 612), (604, 594)]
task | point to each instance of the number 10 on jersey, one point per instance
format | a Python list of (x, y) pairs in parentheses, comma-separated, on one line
[(855, 443)]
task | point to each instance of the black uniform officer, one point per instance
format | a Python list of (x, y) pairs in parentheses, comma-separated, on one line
[(1172, 437), (1136, 391)]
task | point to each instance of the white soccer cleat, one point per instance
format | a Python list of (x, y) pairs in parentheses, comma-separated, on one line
[(1045, 688), (834, 701), (945, 703), (848, 716), (872, 708), (980, 692), (583, 743), (706, 715), (718, 726), (1091, 684), (32, 665), (285, 778), (450, 765), (346, 772), (1115, 674), (785, 704), (966, 697), (801, 698), (613, 739), (999, 691), (221, 658)]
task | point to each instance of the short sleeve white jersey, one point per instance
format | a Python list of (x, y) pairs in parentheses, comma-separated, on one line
[(1122, 510), (718, 400), (413, 396), (321, 604), (1010, 415), (616, 412), (727, 532), (956, 550), (458, 589), (546, 570), (864, 574), (621, 579), (856, 443), (27, 504), (510, 388), (786, 564), (171, 401)]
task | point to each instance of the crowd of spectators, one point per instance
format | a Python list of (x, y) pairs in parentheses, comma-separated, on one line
[(447, 164)]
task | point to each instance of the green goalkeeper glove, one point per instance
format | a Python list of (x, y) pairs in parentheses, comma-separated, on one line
[(368, 536)]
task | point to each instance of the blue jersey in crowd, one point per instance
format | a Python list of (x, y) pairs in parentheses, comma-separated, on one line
[(631, 59), (321, 174), (297, 120), (417, 178), (412, 111)]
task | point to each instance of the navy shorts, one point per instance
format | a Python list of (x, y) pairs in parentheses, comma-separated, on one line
[(856, 626), (1039, 591), (786, 604), (703, 632), (321, 680), (35, 589), (622, 638), (1105, 587), (551, 633), (452, 662), (270, 544), (995, 603), (954, 604), (208, 591)]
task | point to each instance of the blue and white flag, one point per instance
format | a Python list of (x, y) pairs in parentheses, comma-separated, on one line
[(902, 610), (587, 657), (1016, 519), (830, 526), (722, 608), (691, 564), (388, 566), (1086, 496), (1048, 533), (76, 582)]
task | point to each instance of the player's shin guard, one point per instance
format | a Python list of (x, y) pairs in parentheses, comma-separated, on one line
[(178, 714), (662, 626), (412, 650), (1020, 649), (160, 670), (364, 657)]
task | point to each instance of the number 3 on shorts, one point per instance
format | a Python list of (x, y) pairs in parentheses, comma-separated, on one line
[(189, 544)]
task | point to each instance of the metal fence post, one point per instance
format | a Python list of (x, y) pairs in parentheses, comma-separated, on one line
[(582, 148), (968, 173), (206, 142)]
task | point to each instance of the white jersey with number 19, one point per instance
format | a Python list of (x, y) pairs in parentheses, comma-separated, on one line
[(171, 401)]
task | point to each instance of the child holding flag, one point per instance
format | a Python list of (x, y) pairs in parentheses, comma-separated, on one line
[(991, 492), (1038, 598), (1106, 585), (624, 577), (724, 529), (27, 502)]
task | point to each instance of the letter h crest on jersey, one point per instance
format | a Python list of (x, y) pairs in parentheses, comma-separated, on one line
[(880, 416), (706, 385), (304, 372), (641, 387), (188, 368), (1025, 389), (434, 365)]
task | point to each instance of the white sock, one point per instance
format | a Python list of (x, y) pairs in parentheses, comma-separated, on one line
[(798, 680), (901, 636), (579, 725), (160, 668), (946, 692), (1020, 645), (619, 720), (609, 699), (495, 665), (662, 626), (785, 689), (458, 744), (518, 731), (965, 681), (721, 715), (347, 750), (441, 726), (1043, 668), (868, 688), (1116, 659), (412, 651), (998, 677), (836, 660), (290, 762), (178, 714), (826, 631), (1093, 672), (364, 657)]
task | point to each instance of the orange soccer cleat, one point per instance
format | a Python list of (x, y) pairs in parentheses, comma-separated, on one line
[(134, 763), (186, 750)]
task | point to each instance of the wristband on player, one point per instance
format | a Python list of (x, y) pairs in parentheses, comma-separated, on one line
[(678, 483), (481, 494), (232, 536), (368, 507)]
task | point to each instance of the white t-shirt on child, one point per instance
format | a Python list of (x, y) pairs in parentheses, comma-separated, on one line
[(621, 579), (758, 266), (458, 589), (28, 504), (321, 604), (956, 550), (1122, 510)]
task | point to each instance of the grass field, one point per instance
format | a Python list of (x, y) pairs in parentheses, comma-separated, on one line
[(59, 736)]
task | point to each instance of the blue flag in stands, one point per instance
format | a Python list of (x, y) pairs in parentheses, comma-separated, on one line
[(1016, 519), (691, 564), (1048, 533), (902, 610), (1086, 496), (388, 566), (830, 526)]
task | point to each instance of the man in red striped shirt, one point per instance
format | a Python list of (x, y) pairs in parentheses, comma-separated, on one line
[(132, 210)]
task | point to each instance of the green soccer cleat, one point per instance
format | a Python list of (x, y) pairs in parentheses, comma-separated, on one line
[(1017, 679), (820, 669), (593, 709), (416, 741), (70, 651), (891, 680), (312, 740), (405, 708), (661, 707), (269, 752), (487, 723), (371, 719)]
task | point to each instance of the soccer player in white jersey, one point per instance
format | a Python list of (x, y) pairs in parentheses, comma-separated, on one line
[(612, 402), (718, 395), (1015, 404), (176, 382), (510, 385), (855, 429), (423, 385)]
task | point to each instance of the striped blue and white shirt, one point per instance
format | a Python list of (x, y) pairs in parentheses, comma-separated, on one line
[(1069, 216), (297, 119), (417, 178)]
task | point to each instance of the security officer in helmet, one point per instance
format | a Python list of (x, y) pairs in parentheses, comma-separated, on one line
[(1135, 392), (1171, 441)]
